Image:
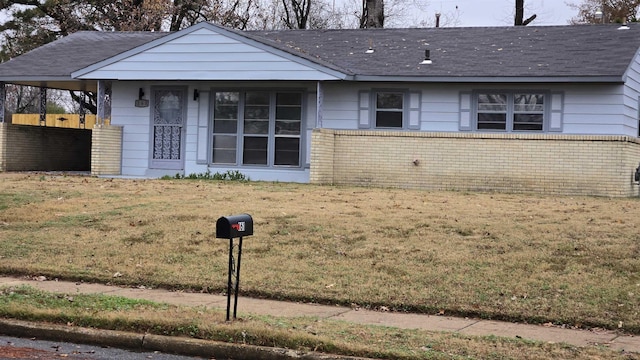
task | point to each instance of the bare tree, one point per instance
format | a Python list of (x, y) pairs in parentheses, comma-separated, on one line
[(605, 11), (372, 14), (296, 13), (519, 19)]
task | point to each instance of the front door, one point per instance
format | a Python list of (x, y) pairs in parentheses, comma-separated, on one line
[(169, 114)]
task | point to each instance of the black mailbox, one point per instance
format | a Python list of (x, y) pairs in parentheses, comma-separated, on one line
[(229, 227)]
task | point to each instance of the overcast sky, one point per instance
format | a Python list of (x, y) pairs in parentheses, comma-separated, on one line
[(500, 12), (486, 12)]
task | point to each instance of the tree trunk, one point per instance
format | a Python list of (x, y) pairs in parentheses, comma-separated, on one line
[(519, 21), (372, 14)]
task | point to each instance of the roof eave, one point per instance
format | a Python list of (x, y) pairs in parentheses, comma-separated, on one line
[(492, 79), (51, 82)]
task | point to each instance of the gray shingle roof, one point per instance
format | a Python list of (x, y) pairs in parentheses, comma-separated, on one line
[(60, 58), (590, 52), (549, 51)]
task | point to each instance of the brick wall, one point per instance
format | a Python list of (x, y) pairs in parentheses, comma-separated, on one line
[(106, 150), (555, 164), (35, 148)]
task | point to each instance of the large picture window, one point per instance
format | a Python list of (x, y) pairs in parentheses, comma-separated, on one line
[(510, 111), (257, 128)]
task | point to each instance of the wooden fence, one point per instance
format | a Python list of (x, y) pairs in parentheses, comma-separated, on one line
[(55, 120)]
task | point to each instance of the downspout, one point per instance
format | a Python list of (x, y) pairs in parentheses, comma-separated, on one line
[(319, 104), (3, 97)]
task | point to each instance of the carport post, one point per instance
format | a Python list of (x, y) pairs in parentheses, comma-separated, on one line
[(104, 103), (3, 96), (43, 106)]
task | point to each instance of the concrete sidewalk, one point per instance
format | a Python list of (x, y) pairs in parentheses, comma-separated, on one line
[(466, 326)]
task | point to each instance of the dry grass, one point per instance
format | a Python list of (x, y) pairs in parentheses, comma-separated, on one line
[(567, 260), (302, 334)]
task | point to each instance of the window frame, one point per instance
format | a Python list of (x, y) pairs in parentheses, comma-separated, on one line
[(511, 111), (272, 136), (373, 120)]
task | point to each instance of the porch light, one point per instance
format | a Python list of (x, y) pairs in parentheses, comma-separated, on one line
[(427, 58), (141, 102), (196, 95)]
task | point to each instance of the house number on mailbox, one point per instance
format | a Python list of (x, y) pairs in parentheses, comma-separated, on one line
[(239, 226)]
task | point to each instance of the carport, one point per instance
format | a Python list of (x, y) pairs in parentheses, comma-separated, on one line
[(26, 148)]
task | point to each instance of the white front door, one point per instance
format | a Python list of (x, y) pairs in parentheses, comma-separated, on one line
[(168, 113)]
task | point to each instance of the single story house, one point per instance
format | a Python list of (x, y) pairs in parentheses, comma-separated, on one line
[(518, 109)]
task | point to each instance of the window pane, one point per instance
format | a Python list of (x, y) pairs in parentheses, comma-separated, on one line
[(289, 99), (224, 149), (255, 150), (528, 103), (256, 112), (492, 102), (389, 100), (288, 127), (256, 126), (288, 112), (492, 121), (257, 98), (530, 122), (287, 151), (225, 126), (225, 113), (226, 105), (389, 119)]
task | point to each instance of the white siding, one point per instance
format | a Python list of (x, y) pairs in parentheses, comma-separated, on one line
[(631, 98), (587, 108), (136, 124), (206, 55), (594, 109), (136, 127), (340, 103), (440, 108)]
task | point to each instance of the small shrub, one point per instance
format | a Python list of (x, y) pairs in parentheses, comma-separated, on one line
[(229, 175)]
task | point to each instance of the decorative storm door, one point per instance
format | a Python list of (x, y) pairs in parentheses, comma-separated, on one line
[(168, 128)]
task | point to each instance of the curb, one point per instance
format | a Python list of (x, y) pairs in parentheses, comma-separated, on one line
[(149, 342)]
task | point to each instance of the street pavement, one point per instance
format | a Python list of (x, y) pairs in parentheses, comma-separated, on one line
[(25, 348), (546, 333)]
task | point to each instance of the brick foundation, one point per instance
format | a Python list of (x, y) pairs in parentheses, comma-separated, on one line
[(519, 163)]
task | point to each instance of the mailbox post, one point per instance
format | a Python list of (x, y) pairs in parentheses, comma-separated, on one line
[(230, 227)]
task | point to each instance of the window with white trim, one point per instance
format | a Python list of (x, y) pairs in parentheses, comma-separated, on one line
[(257, 128), (510, 111)]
